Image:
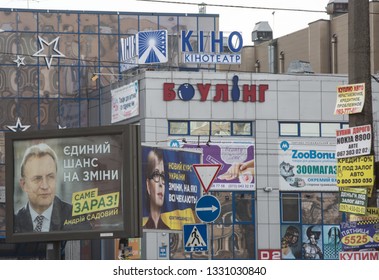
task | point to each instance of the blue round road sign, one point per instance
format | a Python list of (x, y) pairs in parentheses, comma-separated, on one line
[(208, 208)]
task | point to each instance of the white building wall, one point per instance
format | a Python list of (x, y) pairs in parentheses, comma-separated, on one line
[(300, 98)]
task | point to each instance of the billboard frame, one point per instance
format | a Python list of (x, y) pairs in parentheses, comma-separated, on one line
[(130, 196)]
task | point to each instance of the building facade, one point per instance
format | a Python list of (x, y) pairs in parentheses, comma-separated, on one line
[(59, 69)]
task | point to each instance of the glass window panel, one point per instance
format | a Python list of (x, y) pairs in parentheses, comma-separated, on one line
[(109, 50), (8, 21), (345, 125), (73, 113), (329, 129), (332, 242), (188, 23), (2, 175), (68, 22), (88, 23), (128, 24), (244, 207), (109, 24), (69, 46), (29, 113), (290, 207), (47, 22), (309, 129), (148, 23), (225, 199), (48, 113), (330, 208), (242, 128), (199, 128), (2, 149), (220, 128), (89, 50), (176, 247), (244, 241), (28, 81), (88, 87), (27, 43), (311, 208), (178, 128), (8, 44), (8, 111), (290, 242), (312, 242), (69, 82), (48, 80), (207, 23), (222, 241), (26, 21), (8, 81), (2, 219), (170, 23), (289, 129)]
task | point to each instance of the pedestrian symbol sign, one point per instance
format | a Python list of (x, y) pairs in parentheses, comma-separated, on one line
[(195, 238)]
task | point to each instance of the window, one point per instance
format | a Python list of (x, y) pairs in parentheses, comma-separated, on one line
[(232, 235), (214, 128), (319, 220), (310, 129), (178, 128)]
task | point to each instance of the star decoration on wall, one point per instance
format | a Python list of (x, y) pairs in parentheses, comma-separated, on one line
[(51, 51), (18, 126), (19, 61)]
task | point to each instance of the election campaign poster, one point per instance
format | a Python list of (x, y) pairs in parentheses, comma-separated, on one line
[(307, 165), (71, 183), (75, 183), (170, 188)]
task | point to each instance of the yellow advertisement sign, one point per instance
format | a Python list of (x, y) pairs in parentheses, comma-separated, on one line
[(372, 213), (355, 171), (353, 200)]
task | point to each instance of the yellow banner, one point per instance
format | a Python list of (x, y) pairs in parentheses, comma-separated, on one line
[(89, 201), (355, 171)]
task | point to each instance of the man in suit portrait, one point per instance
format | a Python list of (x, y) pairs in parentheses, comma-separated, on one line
[(44, 211)]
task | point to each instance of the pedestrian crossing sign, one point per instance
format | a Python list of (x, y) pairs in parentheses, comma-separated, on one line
[(195, 238)]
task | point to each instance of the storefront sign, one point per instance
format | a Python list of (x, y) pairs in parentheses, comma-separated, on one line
[(223, 92), (361, 255), (353, 200), (360, 235), (350, 99), (128, 59), (355, 171), (353, 141), (214, 53), (307, 166)]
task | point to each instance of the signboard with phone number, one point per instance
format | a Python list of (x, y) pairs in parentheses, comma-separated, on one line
[(353, 141), (355, 171)]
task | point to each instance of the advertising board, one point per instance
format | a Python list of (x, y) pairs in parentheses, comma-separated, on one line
[(72, 184)]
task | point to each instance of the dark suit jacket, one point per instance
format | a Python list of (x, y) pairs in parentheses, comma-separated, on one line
[(62, 211), (151, 225)]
